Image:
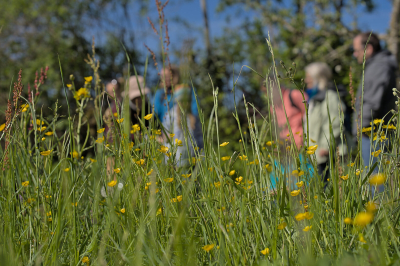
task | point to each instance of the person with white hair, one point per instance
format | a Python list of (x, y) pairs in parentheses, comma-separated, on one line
[(323, 95)]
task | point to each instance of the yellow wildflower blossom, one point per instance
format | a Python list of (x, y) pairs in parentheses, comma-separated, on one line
[(238, 180), (169, 180), (122, 210), (377, 179), (112, 183), (88, 79), (163, 149), (2, 127), (85, 260), (49, 133), (101, 130), (348, 220), (281, 226), (92, 160), (148, 117), (300, 216), (66, 170), (345, 177), (363, 218), (308, 215), (232, 172), (186, 176), (25, 184), (82, 93), (140, 162), (100, 140), (217, 184), (307, 228), (300, 184), (376, 153), (269, 143), (295, 192), (225, 158), (224, 144), (45, 153), (178, 142), (207, 248), (117, 170), (119, 121), (265, 251)]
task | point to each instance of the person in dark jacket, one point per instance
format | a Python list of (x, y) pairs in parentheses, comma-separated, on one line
[(379, 80)]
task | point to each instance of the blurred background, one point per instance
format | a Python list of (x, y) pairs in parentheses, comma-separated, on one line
[(207, 37)]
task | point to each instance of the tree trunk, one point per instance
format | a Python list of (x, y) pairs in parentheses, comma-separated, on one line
[(203, 5), (393, 39)]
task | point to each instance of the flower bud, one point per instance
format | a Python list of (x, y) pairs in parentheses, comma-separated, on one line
[(71, 77), (395, 93)]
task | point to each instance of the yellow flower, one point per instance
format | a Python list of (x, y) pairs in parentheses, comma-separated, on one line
[(177, 199), (295, 192), (232, 172), (186, 176), (225, 158), (2, 127), (50, 219), (148, 117), (43, 139), (24, 108), (265, 251), (377, 179), (243, 158), (100, 140), (178, 142), (117, 170), (363, 218), (48, 213), (358, 172), (300, 216), (377, 121), (313, 141), (66, 170), (371, 206), (85, 259), (238, 180), (307, 228), (217, 184), (281, 226), (25, 184), (348, 220), (224, 144), (366, 129), (122, 210), (345, 177), (69, 85), (41, 128), (112, 183), (269, 168), (376, 153), (269, 143), (159, 211), (101, 130), (45, 153), (362, 239), (169, 180), (163, 149), (140, 162), (82, 93), (315, 197), (119, 121), (115, 114), (49, 133), (207, 248), (300, 184), (135, 128), (88, 79), (92, 160)]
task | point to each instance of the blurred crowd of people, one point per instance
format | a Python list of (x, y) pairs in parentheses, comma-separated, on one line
[(329, 114), (328, 111), (175, 108)]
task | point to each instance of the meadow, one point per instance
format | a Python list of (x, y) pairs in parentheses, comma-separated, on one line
[(131, 203)]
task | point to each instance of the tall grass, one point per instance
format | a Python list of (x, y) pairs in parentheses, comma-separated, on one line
[(130, 204)]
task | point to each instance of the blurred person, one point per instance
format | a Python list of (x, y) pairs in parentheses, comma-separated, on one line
[(380, 78), (167, 108), (292, 102), (324, 95)]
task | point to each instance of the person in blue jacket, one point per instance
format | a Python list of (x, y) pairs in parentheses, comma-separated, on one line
[(166, 109)]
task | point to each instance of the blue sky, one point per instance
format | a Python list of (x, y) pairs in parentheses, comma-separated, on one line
[(190, 11)]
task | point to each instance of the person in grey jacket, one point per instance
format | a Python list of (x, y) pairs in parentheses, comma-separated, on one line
[(323, 95), (379, 80)]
